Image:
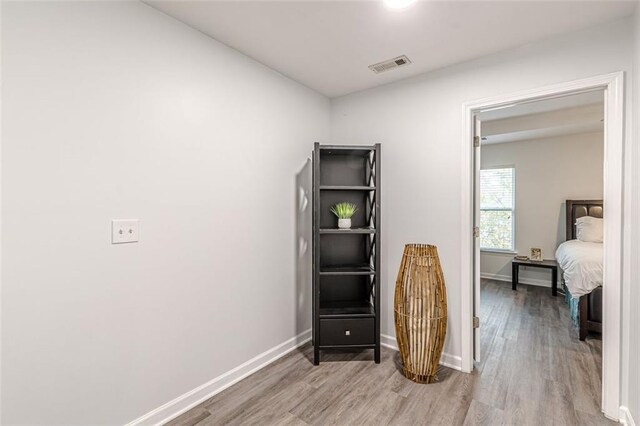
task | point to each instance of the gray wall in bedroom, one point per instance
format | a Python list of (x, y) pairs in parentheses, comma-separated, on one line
[(548, 172)]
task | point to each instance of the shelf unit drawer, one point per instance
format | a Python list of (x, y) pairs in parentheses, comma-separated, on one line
[(347, 332)]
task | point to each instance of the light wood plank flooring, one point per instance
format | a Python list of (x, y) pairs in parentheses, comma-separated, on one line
[(534, 371)]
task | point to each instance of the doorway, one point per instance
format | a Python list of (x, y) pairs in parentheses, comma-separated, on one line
[(612, 86)]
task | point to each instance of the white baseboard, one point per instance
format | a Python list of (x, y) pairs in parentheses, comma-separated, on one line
[(446, 359), (187, 401), (521, 279), (388, 342), (625, 417)]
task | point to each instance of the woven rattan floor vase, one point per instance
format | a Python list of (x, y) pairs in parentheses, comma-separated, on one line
[(420, 307)]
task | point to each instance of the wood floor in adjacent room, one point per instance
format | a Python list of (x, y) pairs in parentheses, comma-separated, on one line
[(534, 371)]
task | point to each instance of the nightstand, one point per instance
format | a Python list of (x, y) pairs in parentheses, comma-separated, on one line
[(545, 264)]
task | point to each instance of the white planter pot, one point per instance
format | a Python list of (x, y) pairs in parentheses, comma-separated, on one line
[(344, 223)]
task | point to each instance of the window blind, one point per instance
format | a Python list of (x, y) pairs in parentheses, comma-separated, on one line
[(497, 203), (496, 189)]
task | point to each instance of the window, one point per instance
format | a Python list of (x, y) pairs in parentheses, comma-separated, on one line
[(497, 208)]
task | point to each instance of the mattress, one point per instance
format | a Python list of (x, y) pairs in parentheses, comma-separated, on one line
[(581, 263)]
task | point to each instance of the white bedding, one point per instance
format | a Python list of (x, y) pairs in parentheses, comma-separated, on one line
[(582, 266)]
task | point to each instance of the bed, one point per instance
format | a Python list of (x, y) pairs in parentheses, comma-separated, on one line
[(582, 269)]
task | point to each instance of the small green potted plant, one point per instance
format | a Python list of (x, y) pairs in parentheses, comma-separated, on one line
[(344, 211)]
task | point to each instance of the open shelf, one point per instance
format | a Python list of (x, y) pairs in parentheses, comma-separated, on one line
[(365, 230), (360, 269), (346, 262), (347, 188), (349, 308)]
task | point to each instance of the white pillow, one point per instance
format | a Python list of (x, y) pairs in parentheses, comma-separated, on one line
[(589, 229)]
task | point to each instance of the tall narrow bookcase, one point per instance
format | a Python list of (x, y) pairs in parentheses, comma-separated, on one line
[(346, 262)]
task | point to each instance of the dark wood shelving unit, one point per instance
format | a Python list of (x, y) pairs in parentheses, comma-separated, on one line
[(346, 263)]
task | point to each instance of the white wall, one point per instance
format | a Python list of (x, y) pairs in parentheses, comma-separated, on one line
[(548, 172), (114, 110), (419, 121)]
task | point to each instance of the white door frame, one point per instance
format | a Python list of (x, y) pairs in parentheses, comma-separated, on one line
[(614, 148)]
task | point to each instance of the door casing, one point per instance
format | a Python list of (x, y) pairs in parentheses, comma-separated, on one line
[(614, 147), (477, 142)]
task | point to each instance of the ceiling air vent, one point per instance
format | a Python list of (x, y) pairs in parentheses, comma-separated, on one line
[(398, 62)]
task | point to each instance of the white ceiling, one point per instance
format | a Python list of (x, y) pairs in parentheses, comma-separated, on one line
[(544, 105), (543, 132), (580, 113), (328, 45)]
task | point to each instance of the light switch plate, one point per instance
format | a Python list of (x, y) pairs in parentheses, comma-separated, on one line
[(125, 231)]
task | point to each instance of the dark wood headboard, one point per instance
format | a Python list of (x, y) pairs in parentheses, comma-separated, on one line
[(580, 208)]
